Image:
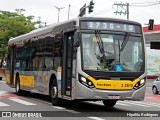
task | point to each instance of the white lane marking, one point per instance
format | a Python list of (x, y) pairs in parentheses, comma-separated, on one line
[(134, 103), (3, 81), (60, 108), (3, 104), (57, 107), (72, 111), (96, 118), (122, 104), (153, 103), (21, 101), (150, 104), (100, 103), (2, 93), (41, 101)]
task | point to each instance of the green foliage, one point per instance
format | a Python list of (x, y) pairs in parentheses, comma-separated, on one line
[(13, 24)]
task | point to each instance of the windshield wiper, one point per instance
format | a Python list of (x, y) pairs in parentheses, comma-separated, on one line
[(99, 41), (125, 40)]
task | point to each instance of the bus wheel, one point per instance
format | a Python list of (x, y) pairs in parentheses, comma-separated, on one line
[(54, 93), (18, 90), (109, 103)]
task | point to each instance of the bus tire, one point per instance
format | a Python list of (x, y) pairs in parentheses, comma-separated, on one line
[(109, 103), (17, 87), (54, 93)]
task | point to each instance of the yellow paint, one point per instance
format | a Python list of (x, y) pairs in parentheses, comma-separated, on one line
[(14, 79), (114, 84), (8, 79), (27, 81), (95, 39), (46, 77), (24, 80)]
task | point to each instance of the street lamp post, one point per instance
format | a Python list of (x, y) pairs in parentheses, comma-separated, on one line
[(58, 8), (69, 10)]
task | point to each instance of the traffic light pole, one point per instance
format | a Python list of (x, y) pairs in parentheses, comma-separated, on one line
[(127, 11), (69, 10)]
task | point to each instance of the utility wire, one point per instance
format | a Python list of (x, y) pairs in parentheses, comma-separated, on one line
[(144, 5), (102, 11), (147, 2)]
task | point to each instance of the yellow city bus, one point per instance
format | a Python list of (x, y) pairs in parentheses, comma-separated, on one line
[(81, 59)]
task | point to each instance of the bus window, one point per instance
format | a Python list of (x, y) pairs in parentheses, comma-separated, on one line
[(41, 51), (49, 41), (57, 54)]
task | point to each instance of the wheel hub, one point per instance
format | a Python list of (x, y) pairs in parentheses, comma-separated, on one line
[(54, 92), (17, 87)]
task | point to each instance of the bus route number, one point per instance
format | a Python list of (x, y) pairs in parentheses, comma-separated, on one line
[(127, 85), (111, 26)]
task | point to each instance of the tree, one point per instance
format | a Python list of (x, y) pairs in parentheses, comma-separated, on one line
[(13, 24)]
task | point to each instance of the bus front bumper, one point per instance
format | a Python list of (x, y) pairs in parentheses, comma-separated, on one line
[(98, 94)]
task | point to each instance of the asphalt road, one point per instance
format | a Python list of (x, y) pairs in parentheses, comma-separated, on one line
[(31, 103)]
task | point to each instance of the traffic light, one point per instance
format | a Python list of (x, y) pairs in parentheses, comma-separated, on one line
[(82, 10), (151, 24), (91, 6)]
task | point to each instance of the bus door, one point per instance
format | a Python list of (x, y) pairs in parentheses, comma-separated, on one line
[(12, 61), (67, 64)]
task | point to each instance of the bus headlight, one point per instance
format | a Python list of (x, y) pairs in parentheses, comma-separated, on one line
[(142, 81), (83, 79), (86, 82), (140, 84)]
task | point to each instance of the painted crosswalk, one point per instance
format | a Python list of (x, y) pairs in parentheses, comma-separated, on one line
[(150, 101), (133, 104), (21, 101), (137, 103), (16, 100), (3, 104), (6, 94), (119, 103)]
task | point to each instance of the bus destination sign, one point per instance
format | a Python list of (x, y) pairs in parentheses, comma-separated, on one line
[(108, 26)]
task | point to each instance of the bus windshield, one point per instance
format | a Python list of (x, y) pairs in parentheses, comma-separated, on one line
[(112, 53)]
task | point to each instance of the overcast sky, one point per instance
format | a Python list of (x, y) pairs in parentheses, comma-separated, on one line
[(140, 12)]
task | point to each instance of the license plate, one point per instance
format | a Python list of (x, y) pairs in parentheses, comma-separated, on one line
[(114, 97)]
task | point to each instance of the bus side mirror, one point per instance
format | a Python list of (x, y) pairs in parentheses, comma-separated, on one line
[(76, 42)]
